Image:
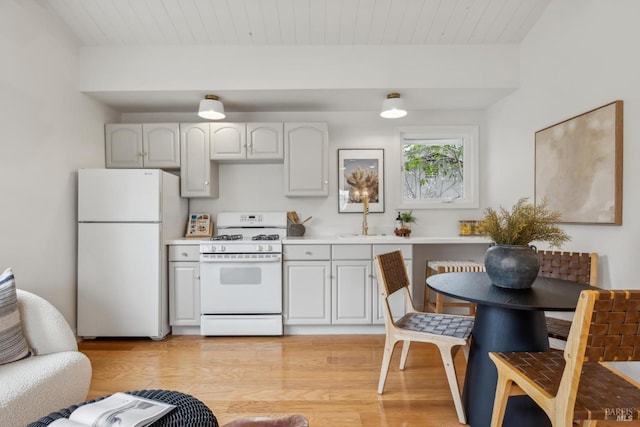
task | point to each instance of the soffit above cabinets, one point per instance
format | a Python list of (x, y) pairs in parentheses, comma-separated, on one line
[(395, 26)]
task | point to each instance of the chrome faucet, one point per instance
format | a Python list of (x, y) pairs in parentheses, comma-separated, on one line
[(365, 211)]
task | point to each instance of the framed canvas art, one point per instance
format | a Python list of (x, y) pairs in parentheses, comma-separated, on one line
[(360, 176), (578, 166)]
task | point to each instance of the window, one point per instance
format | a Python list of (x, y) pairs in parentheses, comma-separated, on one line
[(439, 167)]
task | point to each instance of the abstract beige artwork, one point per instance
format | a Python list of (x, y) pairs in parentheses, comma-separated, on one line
[(578, 166)]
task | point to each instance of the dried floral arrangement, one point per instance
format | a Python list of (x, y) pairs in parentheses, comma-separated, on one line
[(523, 224)]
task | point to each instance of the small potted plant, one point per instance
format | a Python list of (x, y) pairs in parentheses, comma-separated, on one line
[(407, 219), (511, 262)]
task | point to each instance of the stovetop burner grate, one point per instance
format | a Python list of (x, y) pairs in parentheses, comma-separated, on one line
[(266, 237), (227, 237)]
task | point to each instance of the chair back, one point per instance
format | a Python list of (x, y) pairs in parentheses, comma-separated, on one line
[(606, 328), (393, 272), (614, 327), (580, 267)]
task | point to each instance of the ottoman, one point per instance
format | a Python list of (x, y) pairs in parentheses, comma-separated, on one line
[(189, 411)]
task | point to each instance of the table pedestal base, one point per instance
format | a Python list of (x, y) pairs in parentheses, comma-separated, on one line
[(501, 329)]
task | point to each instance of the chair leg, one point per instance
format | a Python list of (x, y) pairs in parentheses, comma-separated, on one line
[(500, 402), (450, 370), (439, 303), (389, 345), (465, 350), (427, 297), (405, 352)]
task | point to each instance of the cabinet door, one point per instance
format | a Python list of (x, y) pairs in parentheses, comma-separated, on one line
[(396, 301), (228, 141), (265, 141), (307, 293), (161, 145), (306, 163), (198, 175), (123, 145), (184, 293), (351, 292)]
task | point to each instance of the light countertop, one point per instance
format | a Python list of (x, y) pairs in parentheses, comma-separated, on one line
[(355, 239)]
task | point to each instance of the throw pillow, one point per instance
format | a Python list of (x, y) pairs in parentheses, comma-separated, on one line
[(13, 344)]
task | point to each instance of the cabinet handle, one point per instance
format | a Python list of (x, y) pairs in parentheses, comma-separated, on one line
[(197, 277), (326, 182), (308, 253), (184, 254), (206, 183)]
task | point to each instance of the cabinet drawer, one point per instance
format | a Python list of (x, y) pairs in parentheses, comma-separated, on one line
[(303, 252), (407, 250), (184, 253), (351, 252)]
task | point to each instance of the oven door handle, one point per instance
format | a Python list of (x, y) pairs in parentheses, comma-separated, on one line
[(205, 259)]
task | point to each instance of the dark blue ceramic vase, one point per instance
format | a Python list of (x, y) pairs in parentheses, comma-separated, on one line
[(512, 266)]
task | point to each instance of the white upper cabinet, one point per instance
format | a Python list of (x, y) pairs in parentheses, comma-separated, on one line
[(246, 141), (123, 145), (228, 141), (198, 174), (306, 159), (265, 141), (148, 145), (161, 145)]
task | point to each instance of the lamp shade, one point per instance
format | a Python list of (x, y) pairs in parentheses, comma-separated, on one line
[(393, 107), (211, 108)]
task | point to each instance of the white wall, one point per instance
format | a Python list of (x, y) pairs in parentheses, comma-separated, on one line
[(261, 186), (49, 130), (578, 57)]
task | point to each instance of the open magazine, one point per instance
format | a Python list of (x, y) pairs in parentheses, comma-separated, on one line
[(119, 409)]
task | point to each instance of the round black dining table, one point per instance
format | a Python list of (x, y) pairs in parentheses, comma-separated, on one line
[(505, 320)]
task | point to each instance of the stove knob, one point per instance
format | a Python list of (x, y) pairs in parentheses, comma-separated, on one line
[(212, 248), (222, 248), (259, 248), (269, 248)]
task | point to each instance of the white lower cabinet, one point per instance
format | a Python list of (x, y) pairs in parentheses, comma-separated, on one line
[(336, 284), (307, 284), (184, 285), (307, 292), (352, 292)]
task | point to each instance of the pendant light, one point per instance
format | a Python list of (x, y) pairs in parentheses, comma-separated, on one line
[(211, 108), (393, 107)]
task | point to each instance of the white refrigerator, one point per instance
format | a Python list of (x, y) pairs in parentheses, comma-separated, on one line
[(124, 218)]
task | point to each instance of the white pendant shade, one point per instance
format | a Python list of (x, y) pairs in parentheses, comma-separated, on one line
[(211, 108), (393, 107)]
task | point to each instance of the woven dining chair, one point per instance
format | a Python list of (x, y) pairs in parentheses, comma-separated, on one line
[(448, 332), (435, 301), (578, 267), (574, 385)]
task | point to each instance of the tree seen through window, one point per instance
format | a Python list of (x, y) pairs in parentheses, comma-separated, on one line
[(433, 169)]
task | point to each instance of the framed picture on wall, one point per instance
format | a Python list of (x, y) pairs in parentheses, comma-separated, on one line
[(360, 180), (578, 166)]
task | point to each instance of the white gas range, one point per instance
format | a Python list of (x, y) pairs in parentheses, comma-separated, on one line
[(241, 275)]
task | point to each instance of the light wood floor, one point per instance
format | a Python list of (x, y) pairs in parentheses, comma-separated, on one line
[(332, 380)]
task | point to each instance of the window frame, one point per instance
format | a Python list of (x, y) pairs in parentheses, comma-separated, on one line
[(469, 134)]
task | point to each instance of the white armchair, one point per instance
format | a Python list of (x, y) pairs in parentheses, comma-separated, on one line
[(55, 377)]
